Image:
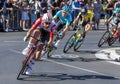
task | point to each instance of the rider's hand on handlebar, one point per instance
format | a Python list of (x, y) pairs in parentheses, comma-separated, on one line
[(26, 38)]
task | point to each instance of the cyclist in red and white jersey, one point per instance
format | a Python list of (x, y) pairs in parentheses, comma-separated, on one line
[(42, 29)]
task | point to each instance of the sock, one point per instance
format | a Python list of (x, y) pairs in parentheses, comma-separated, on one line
[(57, 43), (30, 45)]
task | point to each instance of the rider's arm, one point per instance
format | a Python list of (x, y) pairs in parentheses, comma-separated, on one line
[(55, 18), (115, 5), (53, 29), (77, 19), (34, 26), (50, 39), (66, 29), (110, 19), (68, 22)]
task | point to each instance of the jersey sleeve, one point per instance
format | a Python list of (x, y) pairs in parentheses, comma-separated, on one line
[(57, 14), (69, 19), (38, 21), (53, 29)]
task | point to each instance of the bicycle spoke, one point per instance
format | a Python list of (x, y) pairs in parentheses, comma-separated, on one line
[(69, 43), (104, 38)]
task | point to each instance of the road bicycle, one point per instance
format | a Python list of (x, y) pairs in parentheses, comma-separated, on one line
[(108, 37), (75, 39), (49, 50)]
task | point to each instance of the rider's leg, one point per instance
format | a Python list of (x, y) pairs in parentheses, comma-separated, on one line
[(32, 41), (87, 28), (38, 52), (118, 30)]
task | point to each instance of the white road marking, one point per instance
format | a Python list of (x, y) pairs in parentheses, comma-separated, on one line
[(68, 65), (65, 56), (13, 41), (15, 51), (108, 54)]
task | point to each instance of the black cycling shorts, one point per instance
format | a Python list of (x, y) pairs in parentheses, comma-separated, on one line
[(45, 35)]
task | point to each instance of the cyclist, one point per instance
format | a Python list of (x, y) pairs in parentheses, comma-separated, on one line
[(115, 21), (42, 29), (85, 20), (65, 19), (109, 10)]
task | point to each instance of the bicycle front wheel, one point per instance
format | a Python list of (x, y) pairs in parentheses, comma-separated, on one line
[(51, 51), (69, 43), (104, 39), (25, 64), (78, 43)]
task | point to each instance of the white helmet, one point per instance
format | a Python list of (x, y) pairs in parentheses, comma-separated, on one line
[(47, 17)]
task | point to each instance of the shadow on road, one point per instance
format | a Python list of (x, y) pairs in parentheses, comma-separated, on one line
[(61, 76), (80, 59), (83, 52)]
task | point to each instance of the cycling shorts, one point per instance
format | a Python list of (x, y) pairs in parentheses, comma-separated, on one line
[(45, 35)]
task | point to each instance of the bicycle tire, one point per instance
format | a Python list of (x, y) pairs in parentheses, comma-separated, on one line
[(69, 44), (112, 41), (79, 43), (102, 40), (50, 51), (80, 35), (52, 48), (25, 64)]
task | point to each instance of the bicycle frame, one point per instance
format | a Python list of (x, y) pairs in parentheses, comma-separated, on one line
[(74, 40), (108, 37), (28, 58)]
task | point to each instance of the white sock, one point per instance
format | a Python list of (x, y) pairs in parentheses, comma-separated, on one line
[(30, 45), (57, 43)]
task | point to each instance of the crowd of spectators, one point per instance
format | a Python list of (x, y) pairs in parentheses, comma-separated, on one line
[(21, 14)]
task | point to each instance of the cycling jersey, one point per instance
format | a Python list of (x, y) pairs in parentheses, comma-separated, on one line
[(85, 19), (39, 25), (115, 18), (65, 20)]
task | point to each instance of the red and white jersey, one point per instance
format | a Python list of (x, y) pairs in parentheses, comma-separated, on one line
[(39, 24)]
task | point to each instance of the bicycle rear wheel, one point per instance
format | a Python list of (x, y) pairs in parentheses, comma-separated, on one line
[(104, 39), (25, 63), (69, 44)]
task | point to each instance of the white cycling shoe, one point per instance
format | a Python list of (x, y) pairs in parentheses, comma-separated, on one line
[(26, 50), (29, 69)]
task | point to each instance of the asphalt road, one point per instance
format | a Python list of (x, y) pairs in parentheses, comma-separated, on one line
[(82, 67)]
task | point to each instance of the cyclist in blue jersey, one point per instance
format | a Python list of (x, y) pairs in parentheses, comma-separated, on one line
[(65, 19)]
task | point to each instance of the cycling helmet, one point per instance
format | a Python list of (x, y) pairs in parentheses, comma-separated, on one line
[(66, 8), (83, 11), (47, 17)]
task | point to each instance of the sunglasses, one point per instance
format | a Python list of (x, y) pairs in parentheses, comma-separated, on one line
[(65, 12), (47, 23)]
